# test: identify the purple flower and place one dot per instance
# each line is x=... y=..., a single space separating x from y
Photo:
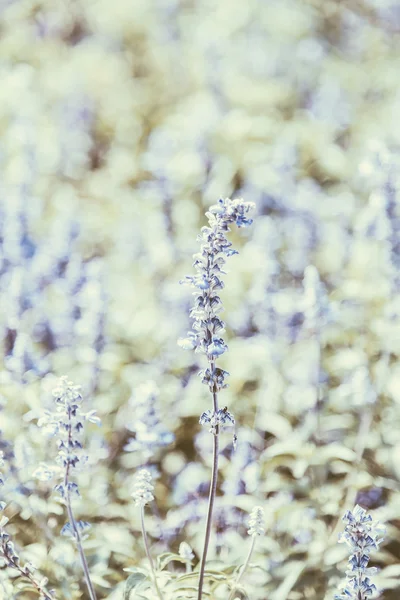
x=362 y=536
x=209 y=263
x=207 y=325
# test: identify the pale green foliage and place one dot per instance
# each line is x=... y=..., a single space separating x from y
x=121 y=122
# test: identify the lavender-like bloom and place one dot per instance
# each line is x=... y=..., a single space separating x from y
x=67 y=424
x=143 y=488
x=256 y=522
x=362 y=536
x=207 y=326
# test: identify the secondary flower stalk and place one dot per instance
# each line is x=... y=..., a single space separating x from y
x=67 y=423
x=142 y=494
x=11 y=556
x=256 y=528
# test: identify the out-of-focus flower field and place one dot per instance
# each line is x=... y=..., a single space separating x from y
x=120 y=124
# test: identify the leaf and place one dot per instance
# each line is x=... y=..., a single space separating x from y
x=100 y=581
x=275 y=423
x=388 y=578
x=287 y=448
x=259 y=567
x=187 y=593
x=217 y=566
x=334 y=451
x=132 y=582
x=229 y=569
x=135 y=570
x=390 y=571
x=212 y=575
x=188 y=577
x=335 y=554
x=164 y=559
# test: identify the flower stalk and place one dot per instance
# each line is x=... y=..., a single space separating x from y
x=147 y=550
x=142 y=494
x=211 y=499
x=72 y=520
x=67 y=423
x=256 y=528
x=247 y=561
x=208 y=327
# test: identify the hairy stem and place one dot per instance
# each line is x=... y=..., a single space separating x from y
x=246 y=563
x=82 y=556
x=147 y=549
x=213 y=489
x=72 y=521
x=44 y=593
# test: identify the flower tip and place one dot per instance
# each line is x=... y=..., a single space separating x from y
x=143 y=488
x=256 y=521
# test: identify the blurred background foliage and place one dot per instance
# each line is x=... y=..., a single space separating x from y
x=120 y=123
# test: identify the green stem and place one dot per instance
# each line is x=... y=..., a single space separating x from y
x=246 y=563
x=72 y=520
x=211 y=498
x=147 y=549
x=82 y=556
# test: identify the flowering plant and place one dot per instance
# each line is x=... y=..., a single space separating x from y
x=362 y=536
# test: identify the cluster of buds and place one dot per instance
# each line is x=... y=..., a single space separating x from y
x=217 y=420
x=185 y=551
x=187 y=555
x=82 y=526
x=215 y=379
x=256 y=522
x=362 y=536
x=143 y=488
